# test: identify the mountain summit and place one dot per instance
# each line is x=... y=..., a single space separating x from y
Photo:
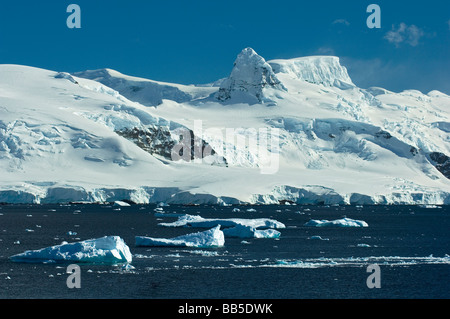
x=250 y=76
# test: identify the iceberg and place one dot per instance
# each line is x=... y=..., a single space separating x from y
x=198 y=221
x=242 y=231
x=213 y=237
x=104 y=250
x=343 y=222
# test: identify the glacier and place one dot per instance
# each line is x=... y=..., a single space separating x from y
x=211 y=238
x=103 y=136
x=104 y=250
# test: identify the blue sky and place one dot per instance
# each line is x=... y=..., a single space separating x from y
x=197 y=41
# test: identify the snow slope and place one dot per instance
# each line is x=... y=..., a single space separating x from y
x=296 y=130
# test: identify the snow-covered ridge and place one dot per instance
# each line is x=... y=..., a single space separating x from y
x=324 y=70
x=144 y=91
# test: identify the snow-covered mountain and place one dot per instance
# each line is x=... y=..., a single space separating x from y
x=296 y=130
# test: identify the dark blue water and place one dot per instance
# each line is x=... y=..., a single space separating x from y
x=410 y=244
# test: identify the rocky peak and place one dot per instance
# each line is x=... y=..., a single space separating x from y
x=251 y=74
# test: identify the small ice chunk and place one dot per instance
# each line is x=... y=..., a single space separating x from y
x=104 y=250
x=213 y=237
x=163 y=204
x=128 y=267
x=343 y=222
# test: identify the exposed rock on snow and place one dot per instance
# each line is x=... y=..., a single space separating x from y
x=105 y=250
x=213 y=237
x=154 y=140
x=442 y=163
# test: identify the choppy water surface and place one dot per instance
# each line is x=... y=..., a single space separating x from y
x=410 y=244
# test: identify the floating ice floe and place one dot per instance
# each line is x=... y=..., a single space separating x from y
x=198 y=221
x=121 y=203
x=242 y=231
x=213 y=237
x=163 y=214
x=318 y=237
x=104 y=250
x=429 y=206
x=343 y=222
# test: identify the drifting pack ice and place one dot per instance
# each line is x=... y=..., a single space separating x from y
x=104 y=250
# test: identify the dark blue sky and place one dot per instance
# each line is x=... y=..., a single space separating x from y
x=197 y=41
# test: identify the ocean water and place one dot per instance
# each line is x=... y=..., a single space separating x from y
x=410 y=244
